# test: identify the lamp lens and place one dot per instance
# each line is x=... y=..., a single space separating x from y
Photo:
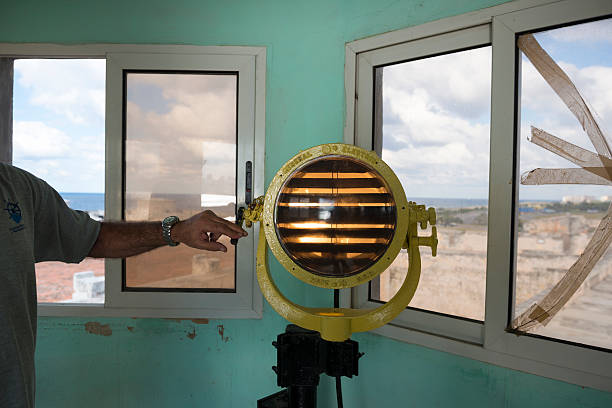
x=335 y=216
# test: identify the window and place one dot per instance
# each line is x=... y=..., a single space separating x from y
x=177 y=166
x=431 y=126
x=436 y=139
x=58 y=135
x=557 y=220
x=182 y=125
x=449 y=106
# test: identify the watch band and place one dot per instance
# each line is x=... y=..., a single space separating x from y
x=167 y=225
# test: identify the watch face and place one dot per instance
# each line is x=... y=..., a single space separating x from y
x=171 y=220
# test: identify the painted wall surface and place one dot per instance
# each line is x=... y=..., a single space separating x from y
x=129 y=362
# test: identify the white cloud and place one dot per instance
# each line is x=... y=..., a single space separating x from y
x=218 y=153
x=452 y=154
x=541 y=107
x=59 y=128
x=42 y=168
x=425 y=122
x=458 y=83
x=593 y=82
x=588 y=32
x=537 y=95
x=195 y=135
x=66 y=163
x=68 y=87
x=195 y=113
x=219 y=168
x=91 y=151
x=544 y=109
x=437 y=132
x=38 y=140
x=175 y=85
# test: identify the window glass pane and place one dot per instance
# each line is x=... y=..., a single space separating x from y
x=180 y=157
x=435 y=136
x=556 y=221
x=58 y=135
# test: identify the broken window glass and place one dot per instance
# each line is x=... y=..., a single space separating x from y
x=563 y=279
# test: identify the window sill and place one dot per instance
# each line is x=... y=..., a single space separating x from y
x=481 y=353
x=91 y=310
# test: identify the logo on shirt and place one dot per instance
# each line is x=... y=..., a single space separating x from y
x=14 y=213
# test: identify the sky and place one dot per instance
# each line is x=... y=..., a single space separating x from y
x=181 y=133
x=58 y=122
x=435 y=121
x=584 y=52
x=436 y=115
x=436 y=124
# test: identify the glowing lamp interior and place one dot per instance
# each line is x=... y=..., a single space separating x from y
x=335 y=216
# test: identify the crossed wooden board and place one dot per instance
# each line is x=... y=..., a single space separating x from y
x=595 y=168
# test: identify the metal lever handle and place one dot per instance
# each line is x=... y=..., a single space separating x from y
x=248 y=196
x=239 y=221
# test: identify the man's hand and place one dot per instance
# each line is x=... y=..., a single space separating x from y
x=123 y=239
x=204 y=229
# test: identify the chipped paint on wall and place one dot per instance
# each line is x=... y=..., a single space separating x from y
x=98 y=329
x=221 y=331
x=192 y=334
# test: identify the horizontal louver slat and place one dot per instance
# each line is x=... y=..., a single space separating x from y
x=334 y=183
x=341 y=215
x=352 y=198
x=335 y=247
x=339 y=233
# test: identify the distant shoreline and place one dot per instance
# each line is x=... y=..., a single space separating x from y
x=94 y=202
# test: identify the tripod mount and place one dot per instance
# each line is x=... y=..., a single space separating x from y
x=302 y=356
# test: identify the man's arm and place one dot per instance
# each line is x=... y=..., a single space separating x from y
x=124 y=239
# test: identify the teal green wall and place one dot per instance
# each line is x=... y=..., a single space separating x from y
x=167 y=363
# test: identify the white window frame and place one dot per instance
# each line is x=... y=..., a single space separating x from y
x=250 y=63
x=464 y=329
x=490 y=341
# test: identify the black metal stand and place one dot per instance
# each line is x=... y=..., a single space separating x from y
x=302 y=356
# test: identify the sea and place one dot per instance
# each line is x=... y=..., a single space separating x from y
x=84 y=201
x=437 y=202
x=94 y=202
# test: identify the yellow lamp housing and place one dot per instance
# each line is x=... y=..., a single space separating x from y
x=336 y=216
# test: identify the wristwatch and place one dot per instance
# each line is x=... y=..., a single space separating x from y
x=167 y=225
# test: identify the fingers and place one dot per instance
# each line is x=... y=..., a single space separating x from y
x=212 y=246
x=203 y=230
x=229 y=224
x=227 y=228
x=234 y=227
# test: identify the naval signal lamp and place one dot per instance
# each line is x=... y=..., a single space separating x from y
x=336 y=216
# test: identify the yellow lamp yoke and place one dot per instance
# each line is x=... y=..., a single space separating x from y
x=337 y=324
